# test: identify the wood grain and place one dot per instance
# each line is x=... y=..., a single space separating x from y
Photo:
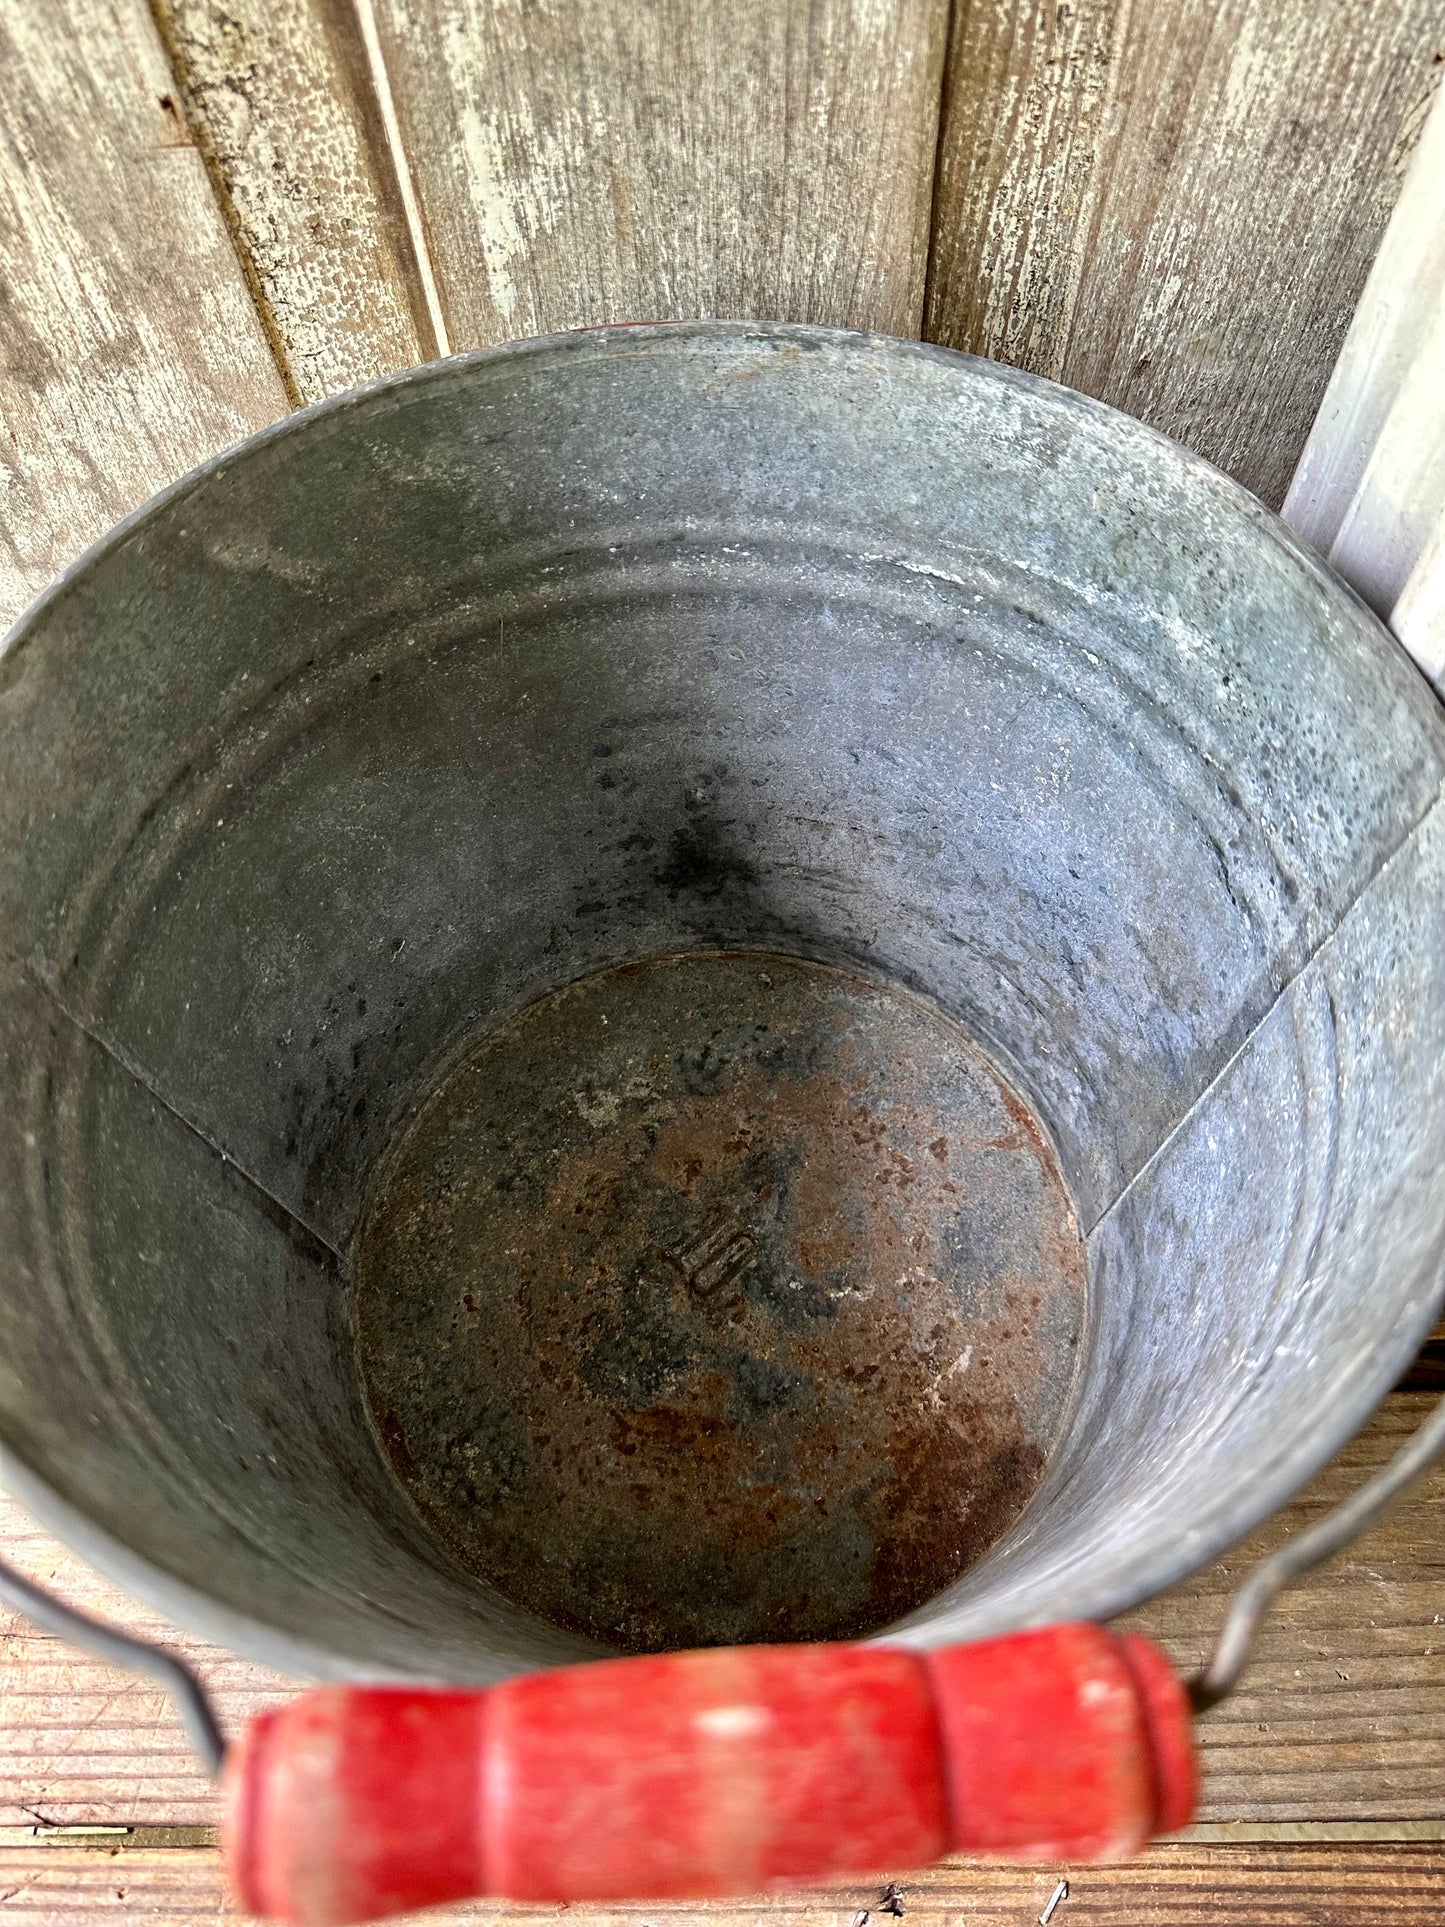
x=1427 y=1371
x=279 y=96
x=1341 y=1716
x=1287 y=1886
x=1400 y=501
x=1341 y=1713
x=1396 y=311
x=129 y=345
x=1418 y=618
x=616 y=162
x=1382 y=421
x=1173 y=207
x=80 y=1741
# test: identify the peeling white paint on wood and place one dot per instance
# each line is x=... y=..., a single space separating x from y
x=578 y=165
x=1400 y=499
x=1418 y=618
x=1401 y=305
x=282 y=98
x=81 y=1742
x=129 y=346
x=1028 y=89
x=1370 y=489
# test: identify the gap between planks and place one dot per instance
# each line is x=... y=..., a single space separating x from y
x=1168 y=1886
x=1213 y=1833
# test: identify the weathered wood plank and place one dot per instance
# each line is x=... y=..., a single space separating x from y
x=279 y=96
x=1396 y=311
x=616 y=162
x=1290 y=1886
x=80 y=1741
x=1341 y=1713
x=1175 y=207
x=1341 y=1716
x=129 y=345
x=1418 y=618
x=1370 y=487
x=1427 y=1371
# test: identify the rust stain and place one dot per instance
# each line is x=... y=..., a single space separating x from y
x=746 y=1313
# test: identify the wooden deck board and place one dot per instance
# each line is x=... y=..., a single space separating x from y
x=1341 y=1716
x=280 y=96
x=617 y=162
x=1399 y=1885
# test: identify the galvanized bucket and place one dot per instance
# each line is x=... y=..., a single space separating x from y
x=704 y=983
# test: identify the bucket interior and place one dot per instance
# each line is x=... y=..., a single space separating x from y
x=704 y=984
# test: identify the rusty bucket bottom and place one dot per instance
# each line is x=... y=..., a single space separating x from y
x=718 y=1298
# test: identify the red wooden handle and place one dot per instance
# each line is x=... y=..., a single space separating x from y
x=707 y=1773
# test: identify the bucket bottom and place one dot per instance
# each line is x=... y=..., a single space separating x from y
x=719 y=1298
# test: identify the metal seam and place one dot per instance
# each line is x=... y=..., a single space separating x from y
x=1436 y=803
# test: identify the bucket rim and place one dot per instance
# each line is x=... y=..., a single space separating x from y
x=1361 y=1386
